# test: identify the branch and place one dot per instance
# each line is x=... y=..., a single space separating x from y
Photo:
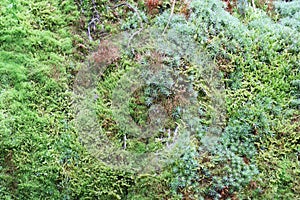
x=96 y=18
x=170 y=17
x=92 y=22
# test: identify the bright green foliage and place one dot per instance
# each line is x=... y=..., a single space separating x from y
x=40 y=157
x=35 y=47
x=254 y=154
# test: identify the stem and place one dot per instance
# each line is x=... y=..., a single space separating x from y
x=170 y=17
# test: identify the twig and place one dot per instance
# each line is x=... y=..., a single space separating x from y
x=92 y=22
x=169 y=136
x=124 y=139
x=175 y=133
x=96 y=18
x=132 y=36
x=253 y=4
x=139 y=16
x=170 y=17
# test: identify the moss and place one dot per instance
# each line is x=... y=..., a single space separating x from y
x=252 y=152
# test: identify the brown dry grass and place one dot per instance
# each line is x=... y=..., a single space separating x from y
x=107 y=53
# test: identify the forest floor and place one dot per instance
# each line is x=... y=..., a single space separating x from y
x=149 y=99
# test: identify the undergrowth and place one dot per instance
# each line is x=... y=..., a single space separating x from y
x=247 y=147
x=41 y=156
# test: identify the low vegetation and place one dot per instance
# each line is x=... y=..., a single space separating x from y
x=149 y=99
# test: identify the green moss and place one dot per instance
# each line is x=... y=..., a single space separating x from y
x=256 y=155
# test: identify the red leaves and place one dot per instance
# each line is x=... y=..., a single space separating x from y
x=152 y=4
x=229 y=5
